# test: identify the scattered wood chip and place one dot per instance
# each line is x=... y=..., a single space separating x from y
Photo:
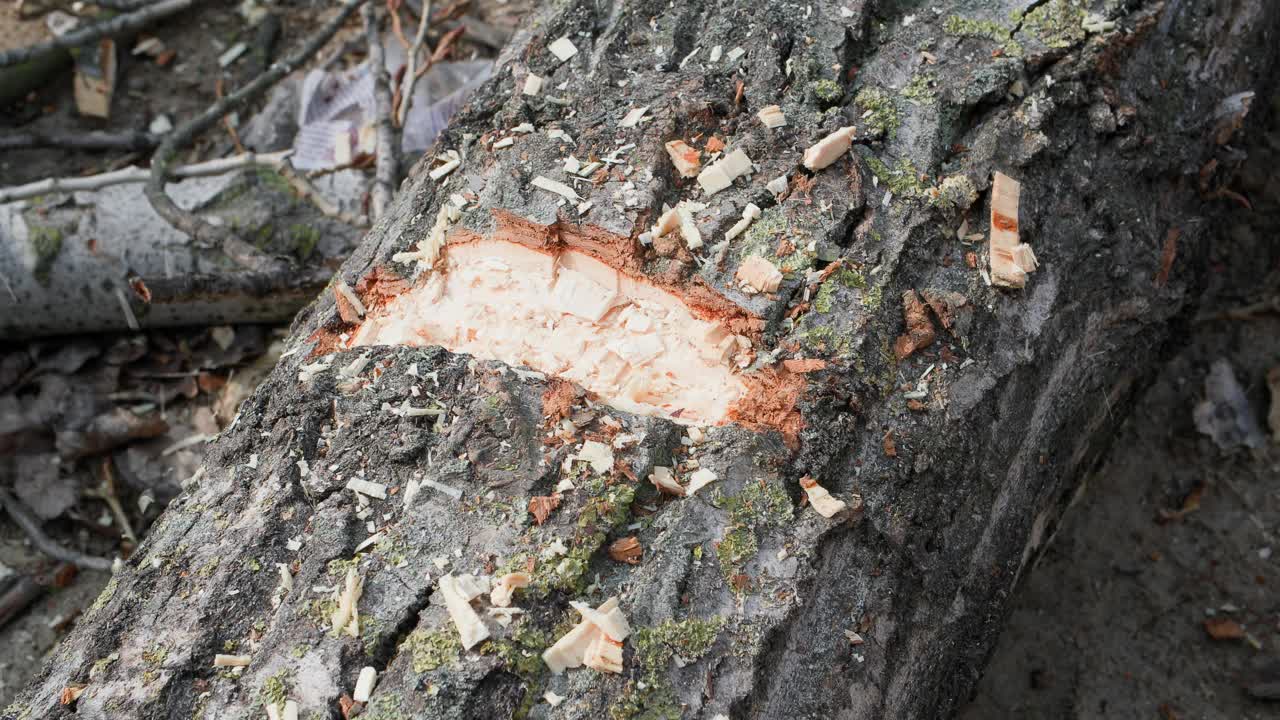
x=221 y=660
x=505 y=142
x=368 y=487
x=829 y=149
x=552 y=699
x=720 y=174
x=1222 y=628
x=1011 y=259
x=663 y=479
x=350 y=309
x=572 y=650
x=685 y=158
x=920 y=332
x=532 y=85
x=563 y=48
x=699 y=479
x=749 y=214
x=364 y=684
x=716 y=52
x=735 y=53
x=778 y=185
x=759 y=274
x=506 y=586
x=822 y=501
x=626 y=550
x=604 y=655
x=540 y=506
x=70 y=694
x=451 y=162
x=633 y=117
x=772 y=117
x=471 y=629
x=558 y=188
x=346 y=616
x=596 y=454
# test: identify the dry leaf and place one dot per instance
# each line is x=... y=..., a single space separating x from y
x=920 y=333
x=542 y=505
x=890 y=447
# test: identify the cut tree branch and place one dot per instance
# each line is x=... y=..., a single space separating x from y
x=24 y=519
x=385 y=169
x=125 y=176
x=185 y=133
x=118 y=25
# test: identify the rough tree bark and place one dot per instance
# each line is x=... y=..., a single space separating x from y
x=743 y=595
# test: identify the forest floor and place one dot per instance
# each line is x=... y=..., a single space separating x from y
x=1111 y=622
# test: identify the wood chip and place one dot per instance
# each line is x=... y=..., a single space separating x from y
x=772 y=117
x=532 y=85
x=829 y=149
x=685 y=159
x=231 y=660
x=1222 y=628
x=749 y=214
x=364 y=684
x=633 y=117
x=759 y=274
x=1011 y=259
x=558 y=188
x=626 y=550
x=720 y=174
x=663 y=479
x=699 y=479
x=471 y=629
x=563 y=48
x=822 y=501
x=506 y=586
x=367 y=487
x=920 y=333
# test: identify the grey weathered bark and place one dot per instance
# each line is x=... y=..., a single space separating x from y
x=743 y=596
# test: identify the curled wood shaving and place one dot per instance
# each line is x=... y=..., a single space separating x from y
x=829 y=149
x=506 y=586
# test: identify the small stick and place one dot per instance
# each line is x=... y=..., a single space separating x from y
x=119 y=25
x=164 y=155
x=308 y=192
x=226 y=119
x=95 y=140
x=385 y=168
x=141 y=175
x=442 y=47
x=410 y=73
x=25 y=520
x=122 y=5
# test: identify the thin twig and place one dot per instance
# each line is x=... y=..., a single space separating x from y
x=119 y=25
x=31 y=526
x=141 y=175
x=226 y=119
x=410 y=73
x=95 y=140
x=164 y=155
x=386 y=167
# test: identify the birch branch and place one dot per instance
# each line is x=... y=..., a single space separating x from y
x=384 y=176
x=135 y=174
x=410 y=73
x=118 y=25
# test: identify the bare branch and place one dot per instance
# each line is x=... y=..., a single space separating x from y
x=164 y=155
x=129 y=175
x=31 y=526
x=118 y=25
x=387 y=163
x=410 y=73
x=95 y=140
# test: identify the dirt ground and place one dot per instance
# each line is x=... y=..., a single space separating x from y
x=1111 y=623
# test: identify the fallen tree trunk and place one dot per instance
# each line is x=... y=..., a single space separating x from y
x=954 y=445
